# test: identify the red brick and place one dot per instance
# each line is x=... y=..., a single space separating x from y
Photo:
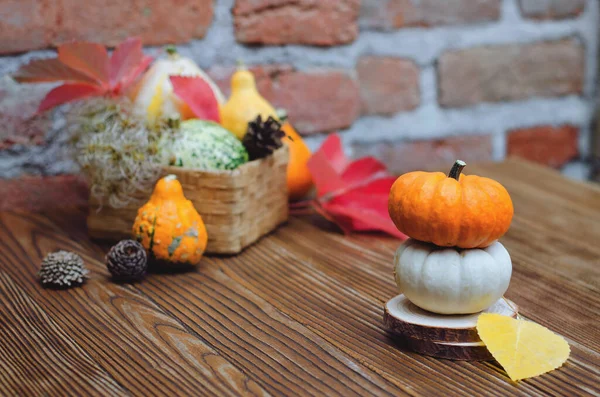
x=388 y=85
x=156 y=21
x=510 y=72
x=26 y=24
x=439 y=154
x=548 y=145
x=322 y=22
x=393 y=14
x=316 y=101
x=40 y=193
x=18 y=104
x=35 y=24
x=552 y=9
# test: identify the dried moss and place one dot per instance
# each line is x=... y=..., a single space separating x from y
x=120 y=154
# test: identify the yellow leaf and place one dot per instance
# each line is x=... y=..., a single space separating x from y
x=523 y=348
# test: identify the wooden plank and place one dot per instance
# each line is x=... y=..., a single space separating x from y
x=347 y=314
x=253 y=334
x=38 y=356
x=200 y=305
x=259 y=340
x=301 y=312
x=145 y=349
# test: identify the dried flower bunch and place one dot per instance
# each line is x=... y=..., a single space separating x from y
x=62 y=269
x=119 y=152
x=127 y=260
x=263 y=138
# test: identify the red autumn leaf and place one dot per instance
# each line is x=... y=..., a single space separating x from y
x=370 y=202
x=90 y=59
x=124 y=58
x=329 y=163
x=67 y=93
x=86 y=70
x=363 y=170
x=333 y=153
x=49 y=70
x=132 y=75
x=198 y=95
x=353 y=194
x=127 y=62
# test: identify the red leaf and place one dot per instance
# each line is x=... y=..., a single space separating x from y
x=379 y=186
x=326 y=166
x=373 y=196
x=198 y=95
x=134 y=74
x=125 y=59
x=87 y=71
x=90 y=59
x=352 y=194
x=333 y=151
x=364 y=219
x=363 y=170
x=49 y=70
x=67 y=93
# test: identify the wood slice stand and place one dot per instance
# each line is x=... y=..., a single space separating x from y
x=445 y=336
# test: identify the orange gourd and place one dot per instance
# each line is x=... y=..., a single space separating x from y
x=169 y=227
x=454 y=210
x=299 y=178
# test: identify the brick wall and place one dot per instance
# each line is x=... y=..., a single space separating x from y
x=411 y=82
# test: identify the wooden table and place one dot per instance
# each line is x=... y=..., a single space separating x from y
x=299 y=313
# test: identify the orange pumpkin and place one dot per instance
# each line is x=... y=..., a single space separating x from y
x=169 y=226
x=299 y=178
x=464 y=211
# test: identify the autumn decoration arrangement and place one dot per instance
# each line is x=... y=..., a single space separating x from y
x=452 y=274
x=177 y=170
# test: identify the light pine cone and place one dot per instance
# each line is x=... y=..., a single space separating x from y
x=62 y=269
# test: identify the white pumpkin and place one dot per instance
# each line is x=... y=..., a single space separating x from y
x=154 y=95
x=452 y=280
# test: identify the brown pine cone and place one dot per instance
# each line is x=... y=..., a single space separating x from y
x=127 y=260
x=263 y=138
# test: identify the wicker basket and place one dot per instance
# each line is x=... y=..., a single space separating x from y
x=238 y=207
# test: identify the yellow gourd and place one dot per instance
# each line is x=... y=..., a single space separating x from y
x=169 y=227
x=244 y=104
x=154 y=97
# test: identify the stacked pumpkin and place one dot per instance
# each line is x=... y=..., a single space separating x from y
x=452 y=263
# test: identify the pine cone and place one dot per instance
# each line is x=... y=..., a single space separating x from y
x=127 y=260
x=262 y=139
x=62 y=269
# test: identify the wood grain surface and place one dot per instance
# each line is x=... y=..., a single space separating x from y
x=299 y=313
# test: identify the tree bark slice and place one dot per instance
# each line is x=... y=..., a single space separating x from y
x=405 y=319
x=476 y=351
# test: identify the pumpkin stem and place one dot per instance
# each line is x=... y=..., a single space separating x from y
x=457 y=169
